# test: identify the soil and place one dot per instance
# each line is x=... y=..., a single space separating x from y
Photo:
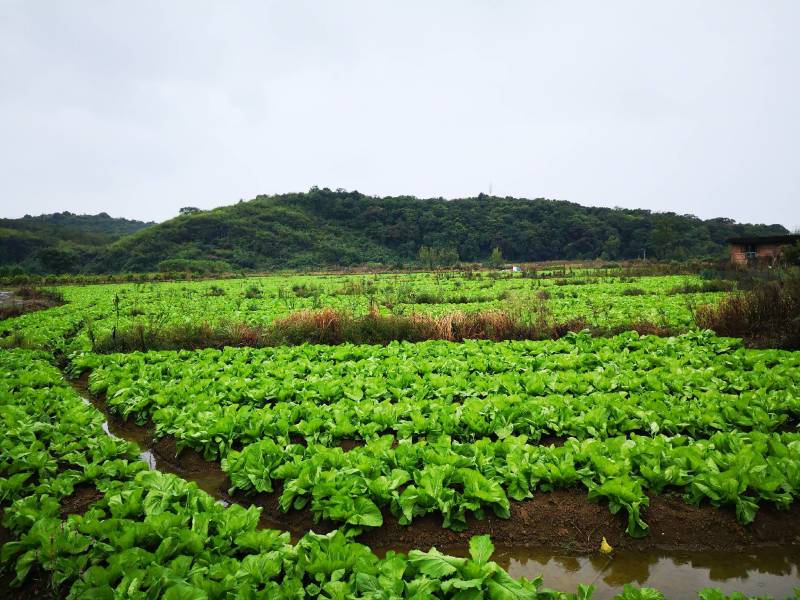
x=84 y=495
x=348 y=444
x=37 y=585
x=566 y=520
x=187 y=460
x=551 y=440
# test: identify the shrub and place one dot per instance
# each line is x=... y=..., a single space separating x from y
x=767 y=315
x=253 y=291
x=306 y=291
x=715 y=285
x=633 y=291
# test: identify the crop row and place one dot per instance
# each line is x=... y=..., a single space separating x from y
x=451 y=428
x=579 y=386
x=439 y=476
x=152 y=535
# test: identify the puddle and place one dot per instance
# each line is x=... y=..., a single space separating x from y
x=768 y=572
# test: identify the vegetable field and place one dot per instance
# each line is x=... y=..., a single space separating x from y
x=368 y=456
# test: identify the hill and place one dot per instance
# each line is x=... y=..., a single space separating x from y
x=59 y=242
x=338 y=228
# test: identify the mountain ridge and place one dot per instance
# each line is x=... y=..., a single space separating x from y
x=59 y=242
x=325 y=228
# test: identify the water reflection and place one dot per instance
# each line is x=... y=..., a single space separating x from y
x=772 y=572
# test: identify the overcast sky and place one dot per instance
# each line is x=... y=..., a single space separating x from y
x=139 y=108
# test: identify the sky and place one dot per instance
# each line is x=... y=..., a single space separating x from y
x=139 y=108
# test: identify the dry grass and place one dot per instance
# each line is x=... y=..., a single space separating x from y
x=328 y=326
x=767 y=315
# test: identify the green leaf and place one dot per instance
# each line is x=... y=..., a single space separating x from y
x=184 y=591
x=481 y=548
x=504 y=587
x=434 y=563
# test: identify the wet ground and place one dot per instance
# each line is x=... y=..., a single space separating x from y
x=678 y=575
x=557 y=534
x=14 y=303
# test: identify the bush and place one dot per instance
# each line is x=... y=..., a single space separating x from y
x=715 y=285
x=766 y=315
x=253 y=291
x=633 y=291
x=306 y=291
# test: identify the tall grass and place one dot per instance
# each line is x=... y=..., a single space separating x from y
x=766 y=315
x=329 y=326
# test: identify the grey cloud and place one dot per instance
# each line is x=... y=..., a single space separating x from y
x=138 y=109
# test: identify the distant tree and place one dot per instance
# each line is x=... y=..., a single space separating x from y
x=326 y=228
x=611 y=247
x=57 y=260
x=437 y=257
x=447 y=257
x=496 y=259
x=791 y=254
x=425 y=256
x=188 y=210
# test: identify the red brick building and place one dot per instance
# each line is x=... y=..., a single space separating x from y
x=763 y=249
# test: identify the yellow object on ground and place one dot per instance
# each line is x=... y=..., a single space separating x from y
x=605 y=547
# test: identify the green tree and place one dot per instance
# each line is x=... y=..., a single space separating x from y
x=496 y=259
x=611 y=247
x=426 y=256
x=447 y=257
x=791 y=254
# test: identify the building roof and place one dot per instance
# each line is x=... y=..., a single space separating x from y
x=765 y=239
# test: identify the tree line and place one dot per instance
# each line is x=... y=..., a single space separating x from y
x=324 y=227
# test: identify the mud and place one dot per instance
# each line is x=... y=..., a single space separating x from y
x=565 y=521
x=84 y=495
x=349 y=444
x=551 y=440
x=562 y=520
x=13 y=304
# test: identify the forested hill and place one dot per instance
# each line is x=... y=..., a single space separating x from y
x=59 y=242
x=326 y=228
